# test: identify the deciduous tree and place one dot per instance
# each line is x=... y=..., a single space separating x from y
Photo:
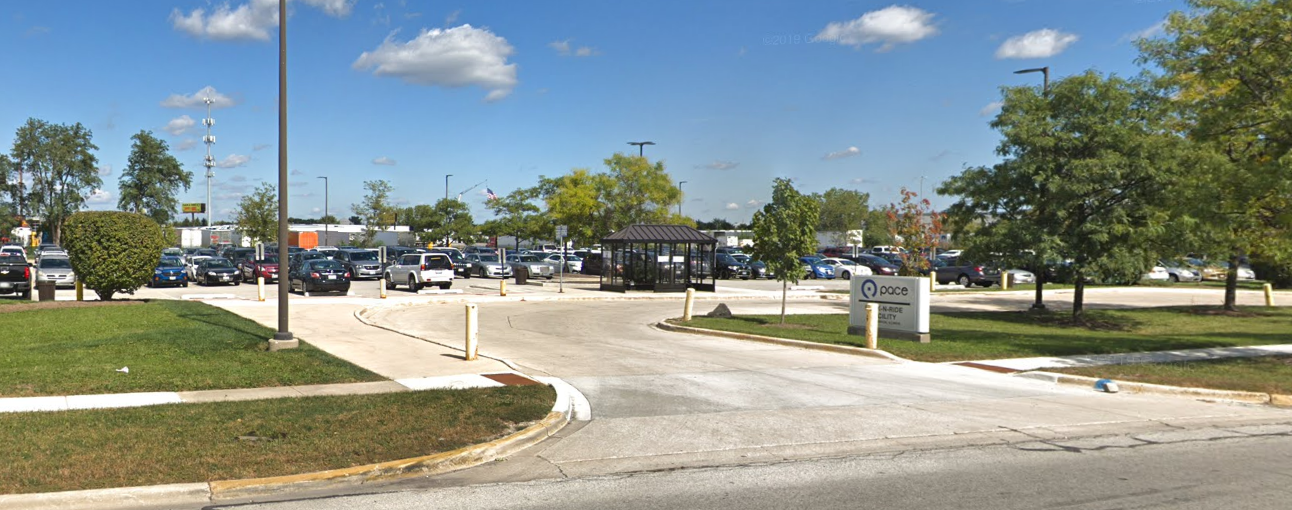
x=257 y=214
x=151 y=179
x=842 y=210
x=375 y=209
x=785 y=229
x=59 y=170
x=918 y=226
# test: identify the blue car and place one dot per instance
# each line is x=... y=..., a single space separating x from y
x=169 y=272
x=817 y=269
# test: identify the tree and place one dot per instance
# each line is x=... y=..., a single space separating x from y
x=842 y=210
x=785 y=229
x=918 y=235
x=151 y=179
x=112 y=251
x=637 y=192
x=1225 y=66
x=715 y=224
x=375 y=209
x=57 y=161
x=257 y=214
x=448 y=220
x=575 y=200
x=517 y=215
x=1086 y=172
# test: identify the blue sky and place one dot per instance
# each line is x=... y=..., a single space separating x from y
x=851 y=94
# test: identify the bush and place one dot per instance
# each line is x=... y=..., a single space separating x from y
x=113 y=252
x=1278 y=274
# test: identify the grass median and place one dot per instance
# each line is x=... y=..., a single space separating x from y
x=78 y=348
x=1267 y=374
x=74 y=450
x=992 y=335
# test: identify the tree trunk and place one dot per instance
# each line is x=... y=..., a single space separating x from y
x=1040 y=286
x=785 y=285
x=1231 y=285
x=1078 y=297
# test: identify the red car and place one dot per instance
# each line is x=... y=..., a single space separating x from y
x=266 y=267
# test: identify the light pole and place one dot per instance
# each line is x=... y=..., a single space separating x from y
x=679 y=198
x=325 y=213
x=1045 y=71
x=641 y=147
x=283 y=337
x=446 y=185
x=1038 y=304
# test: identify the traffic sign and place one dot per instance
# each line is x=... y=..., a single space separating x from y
x=562 y=231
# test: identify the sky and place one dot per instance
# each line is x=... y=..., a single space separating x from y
x=866 y=95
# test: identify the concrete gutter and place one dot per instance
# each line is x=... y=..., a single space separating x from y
x=198 y=494
x=841 y=349
x=1249 y=397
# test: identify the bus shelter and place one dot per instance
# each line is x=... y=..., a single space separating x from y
x=662 y=258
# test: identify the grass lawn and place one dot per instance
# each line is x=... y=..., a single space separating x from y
x=168 y=346
x=1269 y=374
x=990 y=335
x=91 y=449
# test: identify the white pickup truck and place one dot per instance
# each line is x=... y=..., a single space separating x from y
x=418 y=270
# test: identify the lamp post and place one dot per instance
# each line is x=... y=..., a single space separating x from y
x=641 y=147
x=325 y=213
x=1038 y=304
x=446 y=185
x=679 y=198
x=283 y=337
x=1045 y=71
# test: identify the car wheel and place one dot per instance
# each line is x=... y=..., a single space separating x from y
x=964 y=281
x=185 y=285
x=1175 y=279
x=390 y=281
x=305 y=287
x=412 y=283
x=847 y=275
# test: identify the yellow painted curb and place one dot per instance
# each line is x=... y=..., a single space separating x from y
x=417 y=466
x=841 y=349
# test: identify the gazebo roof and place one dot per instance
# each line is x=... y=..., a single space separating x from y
x=660 y=234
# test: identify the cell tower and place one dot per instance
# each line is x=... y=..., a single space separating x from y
x=209 y=162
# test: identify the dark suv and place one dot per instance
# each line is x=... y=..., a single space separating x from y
x=728 y=267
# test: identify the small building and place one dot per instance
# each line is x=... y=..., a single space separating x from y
x=662 y=258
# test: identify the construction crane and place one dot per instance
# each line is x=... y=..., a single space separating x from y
x=477 y=185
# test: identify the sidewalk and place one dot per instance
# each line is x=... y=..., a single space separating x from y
x=1091 y=360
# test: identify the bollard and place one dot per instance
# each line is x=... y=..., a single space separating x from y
x=1004 y=280
x=473 y=330
x=872 y=326
x=933 y=280
x=31 y=287
x=690 y=303
x=1269 y=295
x=382 y=285
x=502 y=288
x=80 y=291
x=260 y=287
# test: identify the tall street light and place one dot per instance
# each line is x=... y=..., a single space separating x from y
x=641 y=147
x=446 y=185
x=679 y=198
x=283 y=337
x=1038 y=304
x=1045 y=71
x=325 y=213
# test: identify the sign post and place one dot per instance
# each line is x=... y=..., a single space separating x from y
x=903 y=306
x=561 y=232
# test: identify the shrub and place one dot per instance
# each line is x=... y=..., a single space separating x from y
x=113 y=252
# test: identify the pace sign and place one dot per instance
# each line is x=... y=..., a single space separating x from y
x=903 y=305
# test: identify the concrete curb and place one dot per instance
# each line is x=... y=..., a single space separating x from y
x=186 y=494
x=1249 y=397
x=841 y=349
x=362 y=316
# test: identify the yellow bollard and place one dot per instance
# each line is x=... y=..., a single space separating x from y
x=1004 y=280
x=473 y=331
x=872 y=326
x=260 y=287
x=381 y=284
x=502 y=288
x=80 y=291
x=690 y=303
x=1269 y=295
x=933 y=280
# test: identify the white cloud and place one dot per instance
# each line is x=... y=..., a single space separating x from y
x=456 y=57
x=585 y=51
x=250 y=21
x=862 y=180
x=105 y=170
x=187 y=144
x=99 y=196
x=297 y=172
x=384 y=161
x=720 y=165
x=888 y=27
x=260 y=146
x=316 y=210
x=753 y=204
x=1147 y=33
x=234 y=161
x=846 y=153
x=180 y=125
x=197 y=99
x=1037 y=44
x=562 y=47
x=733 y=206
x=238 y=178
x=452 y=17
x=990 y=109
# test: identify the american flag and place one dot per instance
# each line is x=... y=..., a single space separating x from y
x=489 y=193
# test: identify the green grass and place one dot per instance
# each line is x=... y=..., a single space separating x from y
x=990 y=335
x=1270 y=374
x=168 y=346
x=73 y=450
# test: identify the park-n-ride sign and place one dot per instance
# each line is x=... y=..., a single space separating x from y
x=903 y=304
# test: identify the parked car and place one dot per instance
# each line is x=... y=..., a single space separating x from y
x=537 y=268
x=266 y=268
x=190 y=269
x=1178 y=271
x=217 y=270
x=1244 y=271
x=327 y=251
x=14 y=249
x=968 y=274
x=199 y=252
x=462 y=268
x=757 y=269
x=950 y=254
x=418 y=270
x=51 y=268
x=359 y=263
x=395 y=253
x=1157 y=274
x=593 y=263
x=319 y=275
x=15 y=274
x=727 y=267
x=878 y=266
x=1208 y=270
x=573 y=264
x=1020 y=276
x=880 y=250
x=487 y=266
x=169 y=272
x=235 y=254
x=298 y=258
x=817 y=269
x=846 y=269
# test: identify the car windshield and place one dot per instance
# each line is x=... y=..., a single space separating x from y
x=573 y=258
x=324 y=264
x=218 y=263
x=55 y=263
x=171 y=262
x=488 y=258
x=270 y=260
x=363 y=256
x=527 y=258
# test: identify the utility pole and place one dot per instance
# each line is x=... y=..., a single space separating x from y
x=209 y=162
x=446 y=185
x=1037 y=303
x=283 y=337
x=325 y=213
x=679 y=198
